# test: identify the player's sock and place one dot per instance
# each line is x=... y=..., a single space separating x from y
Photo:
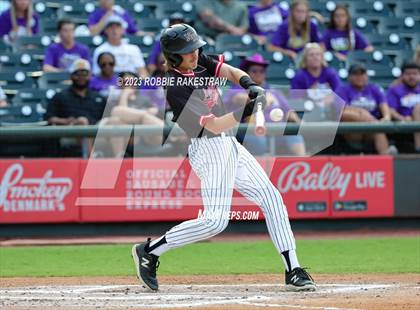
x=290 y=260
x=157 y=247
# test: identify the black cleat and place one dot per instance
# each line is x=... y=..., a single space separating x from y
x=299 y=280
x=146 y=265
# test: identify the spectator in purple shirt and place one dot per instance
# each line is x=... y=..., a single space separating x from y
x=104 y=82
x=60 y=56
x=294 y=33
x=340 y=37
x=365 y=102
x=256 y=67
x=18 y=20
x=97 y=19
x=314 y=72
x=265 y=18
x=404 y=98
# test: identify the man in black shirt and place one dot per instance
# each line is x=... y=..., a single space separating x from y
x=217 y=158
x=77 y=105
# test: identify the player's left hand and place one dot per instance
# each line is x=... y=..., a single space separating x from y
x=257 y=94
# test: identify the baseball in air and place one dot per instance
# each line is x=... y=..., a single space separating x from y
x=276 y=115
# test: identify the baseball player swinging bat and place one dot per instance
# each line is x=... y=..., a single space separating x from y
x=217 y=158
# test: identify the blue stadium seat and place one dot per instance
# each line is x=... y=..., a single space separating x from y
x=54 y=80
x=44 y=11
x=150 y=24
x=382 y=75
x=35 y=45
x=372 y=10
x=369 y=59
x=77 y=12
x=276 y=58
x=164 y=9
x=279 y=74
x=48 y=26
x=19 y=61
x=30 y=95
x=364 y=25
x=322 y=8
x=400 y=25
x=407 y=8
x=388 y=43
x=22 y=114
x=145 y=43
x=229 y=42
x=333 y=61
x=11 y=80
x=91 y=41
x=138 y=9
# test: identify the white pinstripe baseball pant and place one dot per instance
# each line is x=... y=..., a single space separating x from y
x=222 y=164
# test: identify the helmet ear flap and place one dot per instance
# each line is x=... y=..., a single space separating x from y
x=174 y=59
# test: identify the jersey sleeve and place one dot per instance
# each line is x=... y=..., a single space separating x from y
x=190 y=112
x=378 y=94
x=211 y=63
x=361 y=42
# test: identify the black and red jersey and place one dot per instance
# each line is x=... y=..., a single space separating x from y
x=194 y=105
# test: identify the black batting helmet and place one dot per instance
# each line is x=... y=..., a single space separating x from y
x=179 y=39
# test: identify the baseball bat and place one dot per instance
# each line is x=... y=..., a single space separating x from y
x=259 y=120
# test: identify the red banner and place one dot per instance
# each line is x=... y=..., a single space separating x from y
x=165 y=189
x=39 y=191
x=322 y=187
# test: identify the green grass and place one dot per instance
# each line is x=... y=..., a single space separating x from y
x=370 y=255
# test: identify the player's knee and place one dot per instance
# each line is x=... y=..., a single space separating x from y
x=215 y=226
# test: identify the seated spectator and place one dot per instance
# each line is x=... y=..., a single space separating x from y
x=97 y=19
x=256 y=67
x=107 y=79
x=156 y=52
x=76 y=105
x=131 y=108
x=221 y=16
x=365 y=102
x=340 y=37
x=296 y=31
x=314 y=72
x=128 y=57
x=265 y=18
x=60 y=56
x=404 y=98
x=3 y=98
x=19 y=20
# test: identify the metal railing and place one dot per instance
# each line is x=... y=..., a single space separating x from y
x=45 y=132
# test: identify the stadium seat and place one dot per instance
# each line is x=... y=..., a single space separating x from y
x=279 y=74
x=22 y=114
x=368 y=9
x=375 y=58
x=30 y=95
x=364 y=25
x=90 y=41
x=390 y=42
x=35 y=45
x=164 y=9
x=44 y=11
x=407 y=8
x=54 y=80
x=138 y=9
x=275 y=57
x=4 y=47
x=382 y=75
x=77 y=12
x=333 y=61
x=235 y=43
x=11 y=80
x=400 y=25
x=145 y=43
x=48 y=26
x=323 y=8
x=19 y=61
x=150 y=24
x=402 y=56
